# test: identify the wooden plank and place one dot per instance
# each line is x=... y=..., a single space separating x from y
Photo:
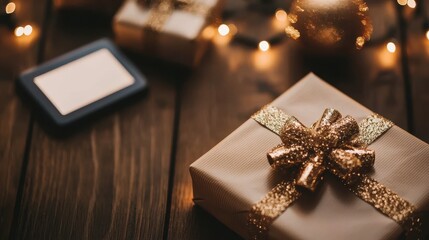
x=220 y=95
x=109 y=179
x=235 y=81
x=418 y=60
x=16 y=55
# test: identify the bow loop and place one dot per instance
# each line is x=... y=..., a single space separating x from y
x=311 y=172
x=342 y=131
x=295 y=133
x=286 y=157
x=329 y=116
x=349 y=164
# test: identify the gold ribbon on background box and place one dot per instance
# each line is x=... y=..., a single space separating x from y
x=161 y=10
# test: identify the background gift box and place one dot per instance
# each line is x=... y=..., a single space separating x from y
x=174 y=31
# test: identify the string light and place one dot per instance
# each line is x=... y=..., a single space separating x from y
x=411 y=3
x=19 y=31
x=402 y=2
x=281 y=15
x=230 y=29
x=223 y=30
x=10 y=8
x=28 y=29
x=264 y=46
x=391 y=47
x=427 y=34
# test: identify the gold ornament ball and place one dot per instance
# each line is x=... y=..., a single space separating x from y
x=330 y=26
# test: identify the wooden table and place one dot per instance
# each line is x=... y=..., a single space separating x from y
x=126 y=175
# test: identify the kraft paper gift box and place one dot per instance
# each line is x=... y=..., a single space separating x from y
x=234 y=175
x=182 y=35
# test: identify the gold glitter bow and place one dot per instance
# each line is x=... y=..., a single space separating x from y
x=327 y=145
x=161 y=11
x=334 y=144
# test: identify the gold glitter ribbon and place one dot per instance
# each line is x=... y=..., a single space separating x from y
x=333 y=144
x=161 y=11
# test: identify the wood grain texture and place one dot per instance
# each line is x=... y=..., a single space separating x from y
x=234 y=81
x=16 y=54
x=109 y=180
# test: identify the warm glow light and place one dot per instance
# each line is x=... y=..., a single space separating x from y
x=264 y=46
x=208 y=32
x=427 y=34
x=411 y=3
x=402 y=2
x=28 y=30
x=391 y=47
x=281 y=15
x=223 y=29
x=264 y=61
x=232 y=29
x=386 y=59
x=10 y=8
x=19 y=31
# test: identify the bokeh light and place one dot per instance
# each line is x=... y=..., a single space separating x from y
x=19 y=31
x=264 y=46
x=223 y=30
x=391 y=47
x=281 y=15
x=28 y=29
x=10 y=8
x=402 y=2
x=411 y=3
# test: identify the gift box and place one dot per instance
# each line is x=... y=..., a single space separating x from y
x=175 y=31
x=234 y=178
